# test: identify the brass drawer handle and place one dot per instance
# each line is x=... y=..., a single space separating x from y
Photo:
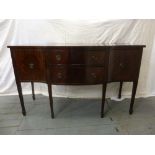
x=122 y=66
x=58 y=57
x=93 y=75
x=59 y=75
x=94 y=57
x=59 y=50
x=31 y=66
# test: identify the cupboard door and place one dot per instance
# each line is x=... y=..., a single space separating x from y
x=124 y=64
x=29 y=64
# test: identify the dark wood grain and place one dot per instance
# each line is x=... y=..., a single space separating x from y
x=134 y=88
x=30 y=64
x=76 y=75
x=104 y=87
x=77 y=65
x=33 y=94
x=58 y=55
x=50 y=99
x=120 y=90
x=89 y=56
x=124 y=64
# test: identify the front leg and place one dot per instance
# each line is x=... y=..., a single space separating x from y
x=120 y=90
x=19 y=88
x=134 y=88
x=104 y=86
x=51 y=99
x=33 y=94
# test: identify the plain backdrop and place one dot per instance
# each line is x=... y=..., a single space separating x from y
x=50 y=32
x=78 y=9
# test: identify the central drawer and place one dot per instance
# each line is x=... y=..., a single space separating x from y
x=77 y=55
x=76 y=75
x=88 y=56
x=58 y=56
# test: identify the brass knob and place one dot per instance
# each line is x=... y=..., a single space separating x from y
x=58 y=57
x=31 y=66
x=93 y=57
x=93 y=75
x=122 y=65
x=59 y=75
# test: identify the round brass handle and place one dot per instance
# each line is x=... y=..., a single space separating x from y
x=93 y=57
x=58 y=57
x=59 y=75
x=122 y=65
x=31 y=66
x=93 y=75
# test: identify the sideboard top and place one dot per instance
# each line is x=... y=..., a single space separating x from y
x=76 y=45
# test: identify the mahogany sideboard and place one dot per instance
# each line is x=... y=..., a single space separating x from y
x=77 y=65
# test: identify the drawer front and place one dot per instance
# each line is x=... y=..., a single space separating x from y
x=88 y=56
x=77 y=55
x=76 y=75
x=57 y=56
x=124 y=65
x=29 y=64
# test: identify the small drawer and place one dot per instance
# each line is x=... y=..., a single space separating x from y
x=58 y=75
x=58 y=56
x=95 y=75
x=95 y=57
x=77 y=75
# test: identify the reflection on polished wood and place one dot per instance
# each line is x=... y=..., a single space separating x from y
x=77 y=65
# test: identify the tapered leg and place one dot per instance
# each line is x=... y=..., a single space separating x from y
x=120 y=90
x=19 y=88
x=51 y=99
x=33 y=94
x=104 y=86
x=134 y=88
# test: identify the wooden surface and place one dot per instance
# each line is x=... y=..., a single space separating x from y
x=77 y=65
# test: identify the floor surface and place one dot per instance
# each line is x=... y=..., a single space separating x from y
x=76 y=117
